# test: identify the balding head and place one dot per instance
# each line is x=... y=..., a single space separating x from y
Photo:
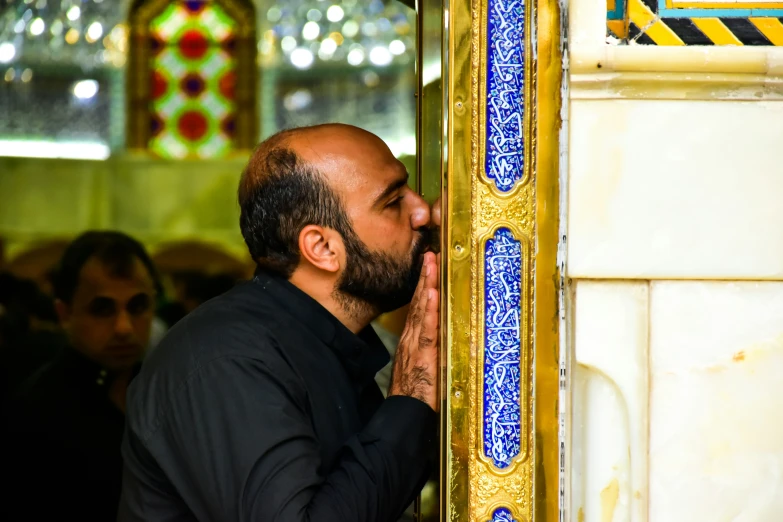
x=329 y=149
x=281 y=192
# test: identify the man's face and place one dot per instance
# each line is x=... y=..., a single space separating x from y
x=384 y=248
x=109 y=318
x=384 y=251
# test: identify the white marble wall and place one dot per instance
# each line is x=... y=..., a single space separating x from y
x=610 y=391
x=674 y=329
x=716 y=403
x=662 y=189
x=676 y=402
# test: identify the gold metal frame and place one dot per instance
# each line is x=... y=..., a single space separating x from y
x=142 y=12
x=548 y=279
x=471 y=487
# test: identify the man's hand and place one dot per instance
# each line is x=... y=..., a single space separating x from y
x=415 y=371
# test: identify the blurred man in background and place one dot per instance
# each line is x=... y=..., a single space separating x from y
x=66 y=422
x=29 y=334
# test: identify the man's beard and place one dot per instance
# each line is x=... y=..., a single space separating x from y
x=378 y=282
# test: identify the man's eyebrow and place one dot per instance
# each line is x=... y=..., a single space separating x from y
x=396 y=185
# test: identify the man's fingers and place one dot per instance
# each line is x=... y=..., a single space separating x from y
x=420 y=296
x=421 y=284
x=432 y=275
x=427 y=278
x=436 y=269
x=428 y=337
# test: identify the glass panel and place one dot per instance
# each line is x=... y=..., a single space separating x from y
x=431 y=100
x=44 y=105
x=192 y=83
x=431 y=126
x=319 y=61
x=60 y=77
x=349 y=62
x=193 y=22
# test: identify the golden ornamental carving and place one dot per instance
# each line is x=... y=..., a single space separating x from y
x=518 y=210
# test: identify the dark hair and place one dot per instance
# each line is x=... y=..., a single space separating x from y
x=209 y=286
x=201 y=287
x=279 y=195
x=114 y=249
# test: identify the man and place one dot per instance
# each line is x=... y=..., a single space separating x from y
x=66 y=424
x=29 y=334
x=261 y=404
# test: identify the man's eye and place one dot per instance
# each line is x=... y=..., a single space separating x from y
x=394 y=203
x=139 y=304
x=102 y=307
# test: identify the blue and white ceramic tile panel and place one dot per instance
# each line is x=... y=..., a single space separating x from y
x=505 y=147
x=502 y=347
x=502 y=515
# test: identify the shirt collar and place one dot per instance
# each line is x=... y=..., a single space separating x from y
x=362 y=355
x=88 y=373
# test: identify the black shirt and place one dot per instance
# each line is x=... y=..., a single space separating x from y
x=21 y=356
x=62 y=450
x=261 y=406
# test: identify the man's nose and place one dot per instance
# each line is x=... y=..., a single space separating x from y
x=420 y=215
x=124 y=324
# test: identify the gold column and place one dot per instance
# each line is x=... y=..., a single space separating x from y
x=501 y=282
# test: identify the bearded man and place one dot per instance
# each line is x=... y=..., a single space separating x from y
x=261 y=405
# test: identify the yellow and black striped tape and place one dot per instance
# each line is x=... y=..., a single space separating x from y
x=644 y=26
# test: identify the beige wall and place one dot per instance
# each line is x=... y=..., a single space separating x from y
x=156 y=201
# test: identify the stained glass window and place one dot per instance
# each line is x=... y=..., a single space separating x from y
x=193 y=78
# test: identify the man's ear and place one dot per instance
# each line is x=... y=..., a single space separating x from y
x=321 y=247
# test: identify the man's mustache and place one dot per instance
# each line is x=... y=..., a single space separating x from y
x=430 y=237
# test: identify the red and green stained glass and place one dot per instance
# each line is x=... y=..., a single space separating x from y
x=193 y=66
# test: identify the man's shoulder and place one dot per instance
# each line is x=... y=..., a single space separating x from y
x=235 y=323
x=241 y=323
x=240 y=327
